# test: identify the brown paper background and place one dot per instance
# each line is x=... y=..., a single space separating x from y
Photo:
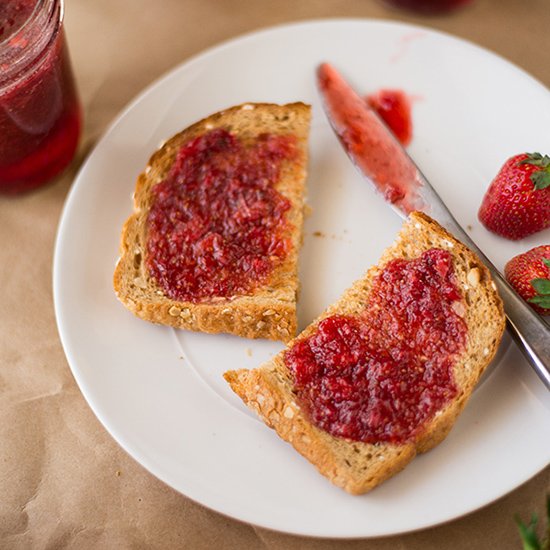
x=64 y=483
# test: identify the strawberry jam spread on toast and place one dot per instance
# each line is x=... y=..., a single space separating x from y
x=217 y=225
x=380 y=375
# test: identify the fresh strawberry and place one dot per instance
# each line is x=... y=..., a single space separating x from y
x=517 y=202
x=529 y=274
x=394 y=107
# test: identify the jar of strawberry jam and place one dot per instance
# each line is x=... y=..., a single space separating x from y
x=428 y=6
x=40 y=117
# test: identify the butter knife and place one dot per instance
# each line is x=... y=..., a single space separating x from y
x=387 y=166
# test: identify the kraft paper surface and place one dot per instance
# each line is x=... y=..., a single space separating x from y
x=64 y=482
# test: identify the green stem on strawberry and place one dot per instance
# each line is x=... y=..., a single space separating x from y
x=541 y=178
x=542 y=288
x=528 y=533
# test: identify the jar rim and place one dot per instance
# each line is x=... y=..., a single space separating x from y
x=20 y=49
x=39 y=5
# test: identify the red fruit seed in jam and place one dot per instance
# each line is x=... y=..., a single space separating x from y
x=380 y=375
x=217 y=226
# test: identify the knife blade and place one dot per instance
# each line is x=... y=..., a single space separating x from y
x=382 y=160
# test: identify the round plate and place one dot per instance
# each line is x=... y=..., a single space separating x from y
x=161 y=394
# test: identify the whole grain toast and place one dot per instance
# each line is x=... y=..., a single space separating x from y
x=355 y=466
x=268 y=310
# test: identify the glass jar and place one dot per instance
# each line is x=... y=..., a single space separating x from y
x=40 y=116
x=428 y=6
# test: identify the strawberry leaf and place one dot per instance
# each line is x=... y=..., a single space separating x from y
x=546 y=262
x=541 y=301
x=536 y=159
x=542 y=286
x=542 y=298
x=541 y=179
x=529 y=534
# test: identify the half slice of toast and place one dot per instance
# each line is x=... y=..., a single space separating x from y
x=352 y=464
x=268 y=308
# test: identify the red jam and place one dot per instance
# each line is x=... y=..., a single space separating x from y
x=217 y=226
x=380 y=375
x=428 y=6
x=394 y=107
x=366 y=140
x=13 y=14
x=39 y=111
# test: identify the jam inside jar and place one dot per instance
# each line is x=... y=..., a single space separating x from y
x=40 y=115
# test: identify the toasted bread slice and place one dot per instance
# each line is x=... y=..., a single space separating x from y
x=356 y=466
x=268 y=310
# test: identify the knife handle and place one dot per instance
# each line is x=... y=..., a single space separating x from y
x=527 y=328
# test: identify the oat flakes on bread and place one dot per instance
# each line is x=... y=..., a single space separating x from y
x=267 y=311
x=353 y=465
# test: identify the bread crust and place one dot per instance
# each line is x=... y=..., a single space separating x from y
x=355 y=466
x=269 y=311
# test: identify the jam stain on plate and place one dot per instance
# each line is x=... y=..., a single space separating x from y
x=217 y=226
x=394 y=108
x=379 y=376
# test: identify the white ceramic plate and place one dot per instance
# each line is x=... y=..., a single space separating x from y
x=160 y=393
